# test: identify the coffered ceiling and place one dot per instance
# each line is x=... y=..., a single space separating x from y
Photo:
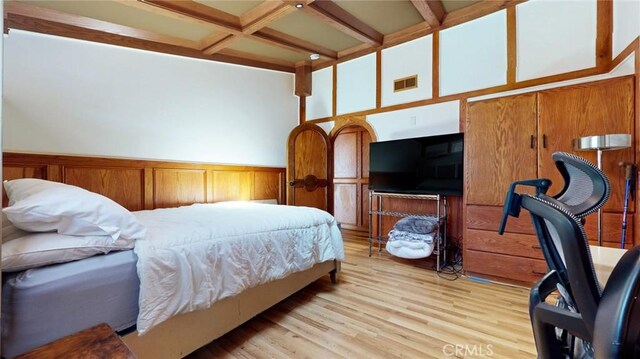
x=274 y=34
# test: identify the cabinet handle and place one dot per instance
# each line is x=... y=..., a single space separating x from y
x=532 y=141
x=535 y=247
x=538 y=273
x=544 y=141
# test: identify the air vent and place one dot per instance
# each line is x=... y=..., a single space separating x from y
x=406 y=83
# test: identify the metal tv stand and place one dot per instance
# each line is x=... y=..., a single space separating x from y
x=441 y=215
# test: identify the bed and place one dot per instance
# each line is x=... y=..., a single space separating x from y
x=129 y=289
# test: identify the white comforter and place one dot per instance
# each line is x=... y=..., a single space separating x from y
x=193 y=256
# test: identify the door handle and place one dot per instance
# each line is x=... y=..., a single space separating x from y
x=544 y=141
x=309 y=183
x=532 y=141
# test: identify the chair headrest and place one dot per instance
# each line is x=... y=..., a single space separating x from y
x=586 y=188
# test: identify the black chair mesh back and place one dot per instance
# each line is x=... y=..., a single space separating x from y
x=563 y=233
x=586 y=188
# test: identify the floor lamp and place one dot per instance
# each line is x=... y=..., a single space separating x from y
x=602 y=143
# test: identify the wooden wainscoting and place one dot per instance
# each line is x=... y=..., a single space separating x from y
x=140 y=184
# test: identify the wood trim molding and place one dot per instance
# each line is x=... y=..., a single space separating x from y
x=462 y=126
x=477 y=10
x=512 y=49
x=32 y=159
x=160 y=11
x=435 y=66
x=37 y=19
x=303 y=79
x=252 y=24
x=347 y=121
x=378 y=79
x=253 y=57
x=145 y=184
x=464 y=95
x=264 y=14
x=334 y=99
x=302 y=108
x=225 y=41
x=431 y=11
x=625 y=53
x=15 y=10
x=68 y=26
x=604 y=43
x=288 y=42
x=352 y=50
x=190 y=8
x=408 y=34
x=453 y=18
x=332 y=14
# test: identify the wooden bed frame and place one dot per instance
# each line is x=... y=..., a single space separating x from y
x=185 y=333
x=141 y=184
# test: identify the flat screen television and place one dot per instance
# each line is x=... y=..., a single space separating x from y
x=424 y=165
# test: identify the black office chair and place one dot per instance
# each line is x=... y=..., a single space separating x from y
x=584 y=311
x=586 y=189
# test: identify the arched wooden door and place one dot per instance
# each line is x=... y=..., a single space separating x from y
x=350 y=142
x=308 y=167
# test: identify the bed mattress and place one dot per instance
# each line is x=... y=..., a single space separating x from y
x=36 y=302
x=193 y=256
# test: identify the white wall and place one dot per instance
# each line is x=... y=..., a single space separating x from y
x=320 y=103
x=626 y=23
x=404 y=60
x=356 y=85
x=473 y=55
x=625 y=68
x=72 y=97
x=555 y=37
x=437 y=119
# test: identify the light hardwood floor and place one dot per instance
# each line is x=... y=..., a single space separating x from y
x=386 y=308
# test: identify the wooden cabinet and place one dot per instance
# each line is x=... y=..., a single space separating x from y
x=512 y=138
x=499 y=147
x=585 y=110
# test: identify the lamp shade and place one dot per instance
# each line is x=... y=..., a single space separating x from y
x=602 y=142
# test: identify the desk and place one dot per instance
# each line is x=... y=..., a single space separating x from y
x=604 y=259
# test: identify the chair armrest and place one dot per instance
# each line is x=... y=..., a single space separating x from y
x=541 y=290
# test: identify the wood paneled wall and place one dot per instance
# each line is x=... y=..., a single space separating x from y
x=139 y=184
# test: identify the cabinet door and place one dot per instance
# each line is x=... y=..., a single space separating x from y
x=499 y=147
x=604 y=107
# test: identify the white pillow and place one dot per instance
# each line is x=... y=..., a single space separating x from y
x=43 y=206
x=40 y=249
x=9 y=231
